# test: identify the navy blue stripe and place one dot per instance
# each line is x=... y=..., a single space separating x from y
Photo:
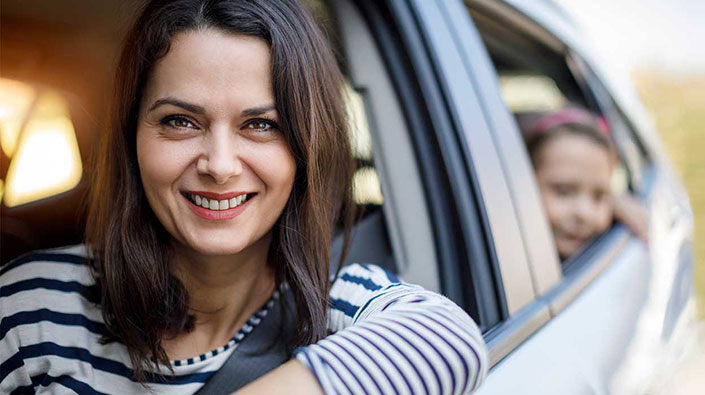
x=12 y=363
x=391 y=276
x=428 y=363
x=401 y=374
x=466 y=369
x=324 y=362
x=472 y=349
x=440 y=354
x=88 y=292
x=32 y=317
x=29 y=389
x=381 y=369
x=379 y=295
x=413 y=366
x=365 y=282
x=107 y=365
x=45 y=381
x=362 y=366
x=49 y=257
x=343 y=305
x=345 y=366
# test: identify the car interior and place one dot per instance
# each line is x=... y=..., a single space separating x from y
x=41 y=57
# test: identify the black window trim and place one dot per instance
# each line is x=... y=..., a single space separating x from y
x=464 y=254
x=582 y=270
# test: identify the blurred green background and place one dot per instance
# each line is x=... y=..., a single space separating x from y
x=676 y=102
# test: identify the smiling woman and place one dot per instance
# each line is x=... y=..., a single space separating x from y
x=208 y=130
x=217 y=189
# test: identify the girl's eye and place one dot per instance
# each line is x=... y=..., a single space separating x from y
x=564 y=190
x=262 y=125
x=178 y=123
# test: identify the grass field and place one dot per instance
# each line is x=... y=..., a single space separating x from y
x=677 y=105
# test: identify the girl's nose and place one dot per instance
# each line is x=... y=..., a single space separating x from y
x=220 y=158
x=585 y=208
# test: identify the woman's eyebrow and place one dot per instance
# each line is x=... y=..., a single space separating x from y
x=257 y=110
x=194 y=108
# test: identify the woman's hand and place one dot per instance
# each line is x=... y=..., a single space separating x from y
x=291 y=378
x=633 y=213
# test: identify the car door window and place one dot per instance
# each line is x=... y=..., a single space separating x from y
x=537 y=77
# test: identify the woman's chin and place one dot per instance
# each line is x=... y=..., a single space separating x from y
x=207 y=247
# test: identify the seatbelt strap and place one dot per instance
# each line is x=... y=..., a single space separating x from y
x=260 y=351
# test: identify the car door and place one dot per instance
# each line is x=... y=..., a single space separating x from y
x=447 y=149
x=607 y=304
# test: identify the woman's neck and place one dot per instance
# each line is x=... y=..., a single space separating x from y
x=224 y=292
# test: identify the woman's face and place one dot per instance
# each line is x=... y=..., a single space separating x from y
x=215 y=167
x=574 y=174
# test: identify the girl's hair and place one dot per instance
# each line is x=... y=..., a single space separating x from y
x=142 y=301
x=570 y=120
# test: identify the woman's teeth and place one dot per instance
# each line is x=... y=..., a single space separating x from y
x=217 y=205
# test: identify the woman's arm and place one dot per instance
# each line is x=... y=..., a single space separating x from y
x=290 y=378
x=390 y=337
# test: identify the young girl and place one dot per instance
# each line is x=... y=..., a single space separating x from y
x=217 y=187
x=573 y=157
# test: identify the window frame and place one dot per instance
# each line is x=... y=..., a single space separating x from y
x=557 y=287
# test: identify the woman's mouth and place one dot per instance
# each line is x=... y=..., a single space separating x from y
x=213 y=208
x=216 y=204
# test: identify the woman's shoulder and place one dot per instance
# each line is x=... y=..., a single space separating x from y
x=72 y=260
x=62 y=269
x=49 y=287
x=48 y=306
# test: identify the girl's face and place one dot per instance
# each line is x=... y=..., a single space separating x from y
x=215 y=167
x=574 y=174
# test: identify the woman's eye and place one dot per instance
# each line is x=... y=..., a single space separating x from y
x=261 y=125
x=178 y=123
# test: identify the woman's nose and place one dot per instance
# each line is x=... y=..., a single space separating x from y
x=220 y=159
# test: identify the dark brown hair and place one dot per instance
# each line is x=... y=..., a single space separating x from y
x=569 y=120
x=142 y=301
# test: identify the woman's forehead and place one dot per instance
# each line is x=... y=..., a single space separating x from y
x=213 y=68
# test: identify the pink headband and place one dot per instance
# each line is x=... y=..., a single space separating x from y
x=568 y=116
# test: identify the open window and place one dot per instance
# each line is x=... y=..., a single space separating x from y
x=538 y=74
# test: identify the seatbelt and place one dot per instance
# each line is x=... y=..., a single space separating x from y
x=260 y=351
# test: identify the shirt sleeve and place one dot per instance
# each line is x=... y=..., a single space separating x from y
x=394 y=337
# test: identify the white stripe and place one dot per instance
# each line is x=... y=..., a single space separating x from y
x=387 y=366
x=357 y=364
x=344 y=372
x=61 y=302
x=49 y=270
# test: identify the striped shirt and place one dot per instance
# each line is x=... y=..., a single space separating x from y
x=387 y=337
